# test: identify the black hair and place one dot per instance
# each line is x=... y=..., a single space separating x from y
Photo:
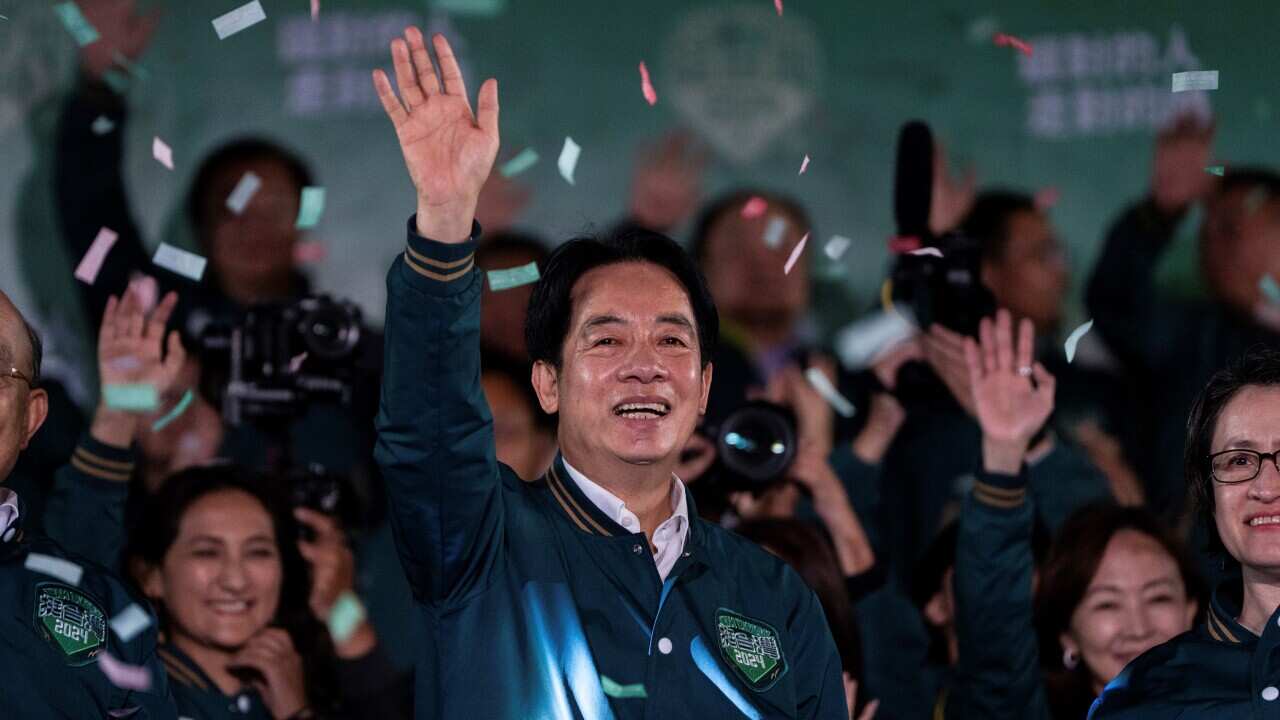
x=988 y=219
x=238 y=150
x=37 y=350
x=161 y=521
x=1250 y=177
x=1259 y=366
x=729 y=201
x=551 y=306
x=517 y=371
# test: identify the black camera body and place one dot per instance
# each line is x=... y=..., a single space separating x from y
x=278 y=358
x=755 y=445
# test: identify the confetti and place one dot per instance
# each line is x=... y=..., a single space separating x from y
x=927 y=251
x=774 y=231
x=902 y=244
x=795 y=255
x=310 y=208
x=1270 y=289
x=754 y=207
x=864 y=340
x=175 y=413
x=1216 y=170
x=804 y=165
x=616 y=690
x=1195 y=80
x=309 y=251
x=238 y=19
x=836 y=246
x=75 y=23
x=131 y=397
x=65 y=570
x=243 y=192
x=523 y=160
x=345 y=617
x=819 y=381
x=129 y=622
x=91 y=263
x=295 y=362
x=123 y=675
x=513 y=277
x=476 y=8
x=162 y=152
x=1003 y=40
x=1074 y=339
x=646 y=87
x=102 y=125
x=187 y=264
x=315 y=10
x=568 y=159
x=778 y=5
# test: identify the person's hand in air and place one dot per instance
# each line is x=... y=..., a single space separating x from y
x=123 y=33
x=1178 y=176
x=333 y=573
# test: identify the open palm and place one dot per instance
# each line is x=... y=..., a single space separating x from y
x=132 y=345
x=1009 y=406
x=448 y=150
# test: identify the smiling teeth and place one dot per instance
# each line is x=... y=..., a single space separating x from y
x=1268 y=520
x=655 y=408
x=230 y=605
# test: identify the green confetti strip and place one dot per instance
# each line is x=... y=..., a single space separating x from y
x=526 y=159
x=513 y=277
x=1270 y=289
x=75 y=23
x=175 y=413
x=475 y=8
x=1215 y=170
x=613 y=689
x=311 y=207
x=131 y=397
x=345 y=617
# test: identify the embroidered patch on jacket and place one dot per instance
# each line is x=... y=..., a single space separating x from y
x=751 y=648
x=71 y=622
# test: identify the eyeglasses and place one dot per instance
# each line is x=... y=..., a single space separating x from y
x=1236 y=466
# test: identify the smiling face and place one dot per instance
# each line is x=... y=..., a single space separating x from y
x=1247 y=514
x=22 y=408
x=631 y=385
x=1136 y=600
x=221 y=578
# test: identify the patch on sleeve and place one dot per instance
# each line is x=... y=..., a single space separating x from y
x=71 y=622
x=751 y=648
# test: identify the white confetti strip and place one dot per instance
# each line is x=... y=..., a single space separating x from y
x=774 y=231
x=91 y=263
x=804 y=165
x=187 y=264
x=927 y=251
x=568 y=161
x=102 y=125
x=1074 y=339
x=863 y=341
x=819 y=381
x=1195 y=80
x=238 y=19
x=129 y=622
x=795 y=254
x=65 y=570
x=243 y=192
x=123 y=675
x=836 y=246
x=161 y=151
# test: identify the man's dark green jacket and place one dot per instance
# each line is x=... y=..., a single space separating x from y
x=1219 y=669
x=538 y=605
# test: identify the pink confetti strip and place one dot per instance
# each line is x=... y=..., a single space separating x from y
x=646 y=87
x=315 y=9
x=91 y=263
x=1003 y=40
x=162 y=152
x=1046 y=198
x=307 y=252
x=795 y=255
x=123 y=675
x=903 y=244
x=754 y=207
x=295 y=363
x=778 y=5
x=804 y=165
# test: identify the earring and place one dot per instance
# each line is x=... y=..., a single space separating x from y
x=1070 y=659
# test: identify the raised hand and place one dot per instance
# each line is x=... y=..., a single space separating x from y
x=1012 y=394
x=952 y=197
x=1178 y=177
x=122 y=33
x=667 y=186
x=448 y=150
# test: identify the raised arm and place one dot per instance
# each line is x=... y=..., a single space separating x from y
x=435 y=434
x=998 y=669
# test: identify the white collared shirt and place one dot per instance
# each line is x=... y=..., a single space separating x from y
x=668 y=538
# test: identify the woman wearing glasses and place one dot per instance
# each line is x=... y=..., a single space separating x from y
x=1228 y=667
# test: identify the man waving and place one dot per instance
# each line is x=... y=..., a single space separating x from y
x=595 y=591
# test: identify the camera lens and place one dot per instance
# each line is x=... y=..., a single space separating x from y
x=330 y=331
x=757 y=442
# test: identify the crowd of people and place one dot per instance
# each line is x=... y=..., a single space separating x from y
x=525 y=502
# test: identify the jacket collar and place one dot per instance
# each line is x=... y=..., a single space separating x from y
x=183 y=670
x=1224 y=608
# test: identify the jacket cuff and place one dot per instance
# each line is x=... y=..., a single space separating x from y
x=436 y=264
x=102 y=461
x=1001 y=491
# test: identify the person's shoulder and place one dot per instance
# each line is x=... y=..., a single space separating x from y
x=749 y=563
x=1190 y=670
x=43 y=557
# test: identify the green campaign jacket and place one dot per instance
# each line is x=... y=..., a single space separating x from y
x=538 y=605
x=53 y=634
x=1218 y=669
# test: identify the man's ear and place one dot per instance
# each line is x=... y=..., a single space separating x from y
x=546 y=383
x=37 y=411
x=706 y=389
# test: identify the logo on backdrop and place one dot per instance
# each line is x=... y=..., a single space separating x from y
x=741 y=76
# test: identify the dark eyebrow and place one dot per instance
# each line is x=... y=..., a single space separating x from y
x=680 y=320
x=599 y=320
x=1235 y=443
